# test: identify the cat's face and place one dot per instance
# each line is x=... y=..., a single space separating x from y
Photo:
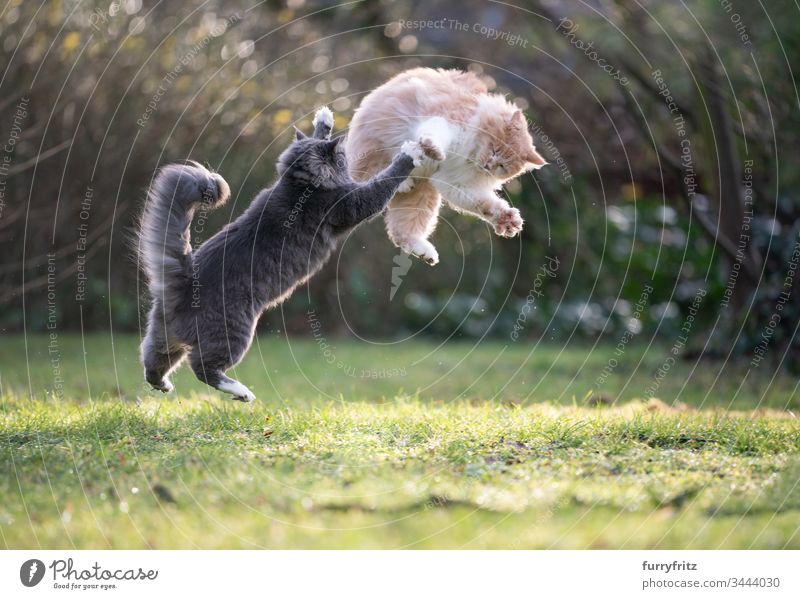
x=506 y=148
x=318 y=162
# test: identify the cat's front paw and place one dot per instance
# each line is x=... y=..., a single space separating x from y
x=413 y=150
x=323 y=123
x=508 y=223
x=431 y=150
x=406 y=185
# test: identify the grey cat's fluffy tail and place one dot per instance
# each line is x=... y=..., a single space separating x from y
x=164 y=236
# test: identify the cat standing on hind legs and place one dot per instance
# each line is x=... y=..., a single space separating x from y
x=206 y=302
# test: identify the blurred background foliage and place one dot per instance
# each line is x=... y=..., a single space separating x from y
x=112 y=90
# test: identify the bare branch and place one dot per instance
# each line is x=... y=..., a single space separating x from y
x=31 y=162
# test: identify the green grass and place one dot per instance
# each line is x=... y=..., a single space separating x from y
x=484 y=446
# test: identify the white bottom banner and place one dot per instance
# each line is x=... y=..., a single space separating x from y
x=389 y=574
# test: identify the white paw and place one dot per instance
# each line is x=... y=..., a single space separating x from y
x=508 y=223
x=431 y=149
x=424 y=250
x=414 y=151
x=165 y=386
x=406 y=185
x=324 y=116
x=239 y=391
x=248 y=397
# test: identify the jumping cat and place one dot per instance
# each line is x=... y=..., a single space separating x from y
x=206 y=302
x=480 y=141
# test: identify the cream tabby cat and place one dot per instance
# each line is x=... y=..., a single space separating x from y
x=482 y=139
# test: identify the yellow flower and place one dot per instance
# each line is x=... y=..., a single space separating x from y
x=282 y=117
x=71 y=41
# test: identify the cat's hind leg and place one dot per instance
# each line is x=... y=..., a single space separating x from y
x=210 y=367
x=158 y=364
x=158 y=357
x=219 y=380
x=411 y=219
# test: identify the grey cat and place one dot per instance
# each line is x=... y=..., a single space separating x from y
x=206 y=303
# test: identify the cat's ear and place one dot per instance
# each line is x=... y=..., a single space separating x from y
x=534 y=158
x=517 y=120
x=298 y=135
x=334 y=143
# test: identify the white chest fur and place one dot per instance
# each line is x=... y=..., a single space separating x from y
x=458 y=174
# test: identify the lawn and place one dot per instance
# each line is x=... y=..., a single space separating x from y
x=413 y=445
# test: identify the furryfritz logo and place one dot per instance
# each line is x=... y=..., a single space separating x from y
x=32 y=572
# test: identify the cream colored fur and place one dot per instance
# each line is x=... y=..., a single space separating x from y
x=482 y=138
